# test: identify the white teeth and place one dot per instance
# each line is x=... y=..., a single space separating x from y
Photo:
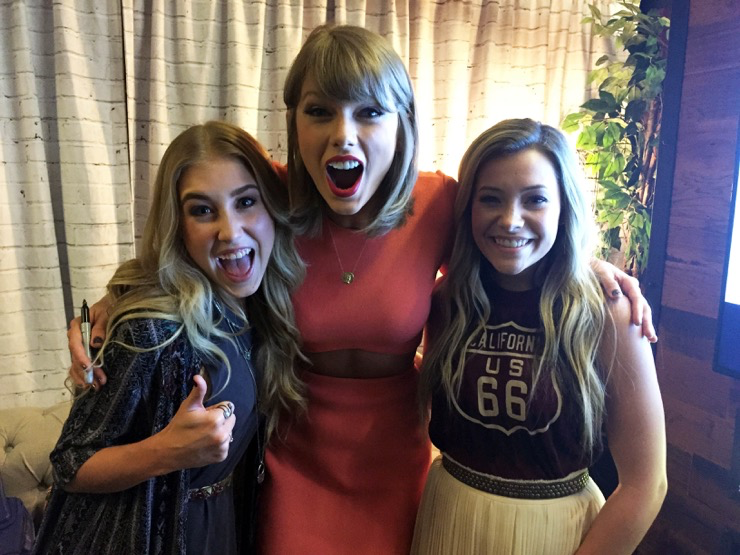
x=241 y=253
x=512 y=243
x=345 y=165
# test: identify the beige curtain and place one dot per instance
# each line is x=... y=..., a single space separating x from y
x=92 y=91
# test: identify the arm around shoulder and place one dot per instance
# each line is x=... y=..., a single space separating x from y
x=636 y=435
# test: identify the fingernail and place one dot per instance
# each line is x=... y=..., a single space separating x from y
x=97 y=341
x=616 y=292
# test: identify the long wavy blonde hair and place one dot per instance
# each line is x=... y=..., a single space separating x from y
x=164 y=282
x=353 y=64
x=571 y=304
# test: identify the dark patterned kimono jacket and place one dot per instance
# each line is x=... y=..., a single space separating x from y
x=143 y=392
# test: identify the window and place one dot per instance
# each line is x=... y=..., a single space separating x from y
x=727 y=351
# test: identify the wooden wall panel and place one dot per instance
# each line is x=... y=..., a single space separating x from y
x=701 y=515
x=694 y=430
x=692 y=287
x=688 y=380
x=702 y=55
x=679 y=468
x=700 y=242
x=705 y=12
x=684 y=527
x=708 y=485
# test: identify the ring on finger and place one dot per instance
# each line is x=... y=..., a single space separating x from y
x=228 y=410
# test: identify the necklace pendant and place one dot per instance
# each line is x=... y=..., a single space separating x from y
x=348 y=277
x=260 y=472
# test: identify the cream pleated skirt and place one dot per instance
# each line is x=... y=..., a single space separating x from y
x=456 y=518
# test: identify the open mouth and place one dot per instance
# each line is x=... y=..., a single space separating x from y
x=237 y=265
x=344 y=176
x=511 y=243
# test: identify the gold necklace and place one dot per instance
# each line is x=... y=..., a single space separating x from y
x=347 y=277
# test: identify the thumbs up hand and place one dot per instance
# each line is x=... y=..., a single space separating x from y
x=198 y=436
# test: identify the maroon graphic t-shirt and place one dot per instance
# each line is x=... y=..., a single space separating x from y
x=499 y=424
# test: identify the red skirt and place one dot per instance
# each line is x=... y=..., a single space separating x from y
x=349 y=475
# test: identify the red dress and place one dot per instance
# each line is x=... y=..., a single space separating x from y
x=349 y=475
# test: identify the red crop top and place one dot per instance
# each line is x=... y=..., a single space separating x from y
x=385 y=308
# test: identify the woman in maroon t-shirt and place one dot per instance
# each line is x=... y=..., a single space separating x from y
x=525 y=361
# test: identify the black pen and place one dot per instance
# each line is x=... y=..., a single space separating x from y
x=85 y=327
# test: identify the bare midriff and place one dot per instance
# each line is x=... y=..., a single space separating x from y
x=356 y=363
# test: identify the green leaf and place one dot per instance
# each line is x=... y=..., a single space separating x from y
x=611 y=168
x=612 y=134
x=631 y=7
x=587 y=138
x=606 y=83
x=654 y=77
x=584 y=142
x=595 y=105
x=602 y=60
x=622 y=203
x=601 y=217
x=634 y=175
x=608 y=99
x=635 y=109
x=615 y=195
x=614 y=130
x=592 y=158
x=598 y=75
x=609 y=185
x=572 y=122
x=614 y=220
x=621 y=162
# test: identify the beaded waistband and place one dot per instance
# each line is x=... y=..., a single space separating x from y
x=518 y=489
x=198 y=494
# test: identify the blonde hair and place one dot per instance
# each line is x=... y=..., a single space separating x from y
x=571 y=303
x=164 y=282
x=353 y=64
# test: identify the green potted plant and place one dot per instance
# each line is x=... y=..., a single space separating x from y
x=619 y=131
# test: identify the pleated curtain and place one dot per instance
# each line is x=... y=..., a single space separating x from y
x=92 y=91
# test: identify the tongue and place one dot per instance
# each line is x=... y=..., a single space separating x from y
x=344 y=179
x=238 y=267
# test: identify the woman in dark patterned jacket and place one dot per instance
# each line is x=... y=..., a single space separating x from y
x=145 y=464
